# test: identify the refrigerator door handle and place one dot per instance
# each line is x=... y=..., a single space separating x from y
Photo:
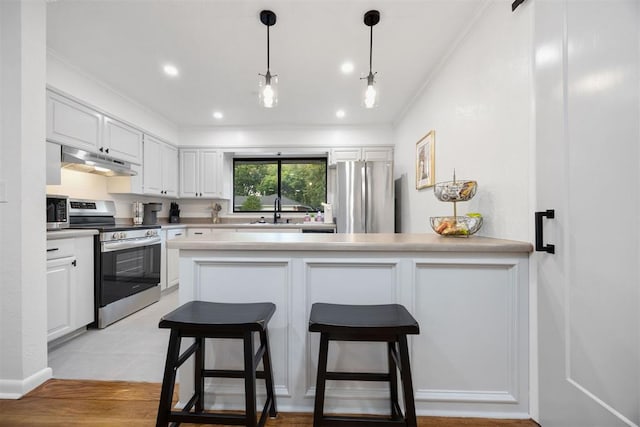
x=365 y=198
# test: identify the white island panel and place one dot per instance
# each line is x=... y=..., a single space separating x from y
x=470 y=297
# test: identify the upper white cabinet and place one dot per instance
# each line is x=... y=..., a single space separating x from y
x=368 y=154
x=73 y=124
x=121 y=141
x=160 y=168
x=76 y=125
x=201 y=173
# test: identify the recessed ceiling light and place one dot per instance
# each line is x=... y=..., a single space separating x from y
x=347 y=67
x=340 y=114
x=217 y=115
x=170 y=70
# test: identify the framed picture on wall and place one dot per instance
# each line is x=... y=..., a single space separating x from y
x=426 y=161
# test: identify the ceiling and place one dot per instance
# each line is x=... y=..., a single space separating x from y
x=219 y=47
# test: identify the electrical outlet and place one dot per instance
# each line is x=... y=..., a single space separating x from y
x=3 y=192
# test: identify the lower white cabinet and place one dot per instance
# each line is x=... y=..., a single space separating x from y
x=61 y=279
x=172 y=257
x=70 y=291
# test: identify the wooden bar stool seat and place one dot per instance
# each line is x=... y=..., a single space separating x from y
x=390 y=323
x=200 y=320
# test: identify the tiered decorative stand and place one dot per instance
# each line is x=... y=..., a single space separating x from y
x=456 y=191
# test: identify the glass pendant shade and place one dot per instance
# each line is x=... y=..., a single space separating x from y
x=371 y=96
x=268 y=90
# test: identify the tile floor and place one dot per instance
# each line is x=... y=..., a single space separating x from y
x=132 y=349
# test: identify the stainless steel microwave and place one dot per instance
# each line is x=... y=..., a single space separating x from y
x=57 y=212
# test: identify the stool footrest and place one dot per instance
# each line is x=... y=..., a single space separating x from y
x=357 y=376
x=361 y=421
x=228 y=373
x=207 y=418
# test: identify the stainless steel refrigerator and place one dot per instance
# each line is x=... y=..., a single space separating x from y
x=365 y=197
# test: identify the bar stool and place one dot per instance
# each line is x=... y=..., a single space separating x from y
x=200 y=320
x=388 y=323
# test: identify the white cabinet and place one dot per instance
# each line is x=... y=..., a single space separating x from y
x=76 y=125
x=70 y=291
x=201 y=173
x=369 y=154
x=160 y=168
x=54 y=177
x=173 y=258
x=200 y=231
x=71 y=123
x=61 y=279
x=121 y=141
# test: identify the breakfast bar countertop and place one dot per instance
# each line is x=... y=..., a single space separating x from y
x=376 y=242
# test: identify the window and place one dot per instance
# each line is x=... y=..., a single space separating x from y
x=301 y=184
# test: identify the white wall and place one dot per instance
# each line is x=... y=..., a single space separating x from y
x=478 y=103
x=74 y=82
x=23 y=292
x=292 y=139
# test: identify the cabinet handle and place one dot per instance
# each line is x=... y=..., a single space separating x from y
x=53 y=249
x=540 y=246
x=74 y=263
x=107 y=150
x=178 y=234
x=197 y=233
x=101 y=149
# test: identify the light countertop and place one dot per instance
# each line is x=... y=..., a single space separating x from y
x=249 y=226
x=347 y=242
x=70 y=233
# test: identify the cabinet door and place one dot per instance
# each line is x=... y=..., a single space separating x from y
x=345 y=154
x=173 y=260
x=199 y=231
x=83 y=307
x=209 y=172
x=189 y=173
x=169 y=170
x=60 y=296
x=377 y=154
x=152 y=166
x=73 y=124
x=121 y=141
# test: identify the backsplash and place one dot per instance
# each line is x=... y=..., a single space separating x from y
x=80 y=185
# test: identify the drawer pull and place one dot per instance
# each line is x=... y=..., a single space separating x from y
x=53 y=249
x=178 y=234
x=198 y=232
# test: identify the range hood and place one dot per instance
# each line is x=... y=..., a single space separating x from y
x=84 y=161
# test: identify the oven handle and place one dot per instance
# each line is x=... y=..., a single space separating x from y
x=128 y=244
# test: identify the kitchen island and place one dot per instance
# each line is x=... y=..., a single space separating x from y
x=469 y=295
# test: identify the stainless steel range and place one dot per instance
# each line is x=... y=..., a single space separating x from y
x=126 y=258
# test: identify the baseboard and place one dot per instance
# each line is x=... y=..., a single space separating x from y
x=15 y=389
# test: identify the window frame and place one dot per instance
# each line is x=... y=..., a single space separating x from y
x=278 y=160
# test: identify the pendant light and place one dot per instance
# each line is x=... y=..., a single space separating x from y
x=370 y=99
x=267 y=86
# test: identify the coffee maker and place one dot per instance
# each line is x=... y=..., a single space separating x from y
x=151 y=213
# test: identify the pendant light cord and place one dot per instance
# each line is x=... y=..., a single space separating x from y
x=371 y=50
x=267 y=48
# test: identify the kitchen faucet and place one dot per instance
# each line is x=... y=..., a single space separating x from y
x=277 y=207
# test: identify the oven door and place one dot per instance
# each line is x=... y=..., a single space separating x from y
x=128 y=267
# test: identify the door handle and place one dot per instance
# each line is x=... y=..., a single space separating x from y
x=540 y=246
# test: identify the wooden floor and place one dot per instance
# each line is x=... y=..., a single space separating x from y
x=120 y=403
